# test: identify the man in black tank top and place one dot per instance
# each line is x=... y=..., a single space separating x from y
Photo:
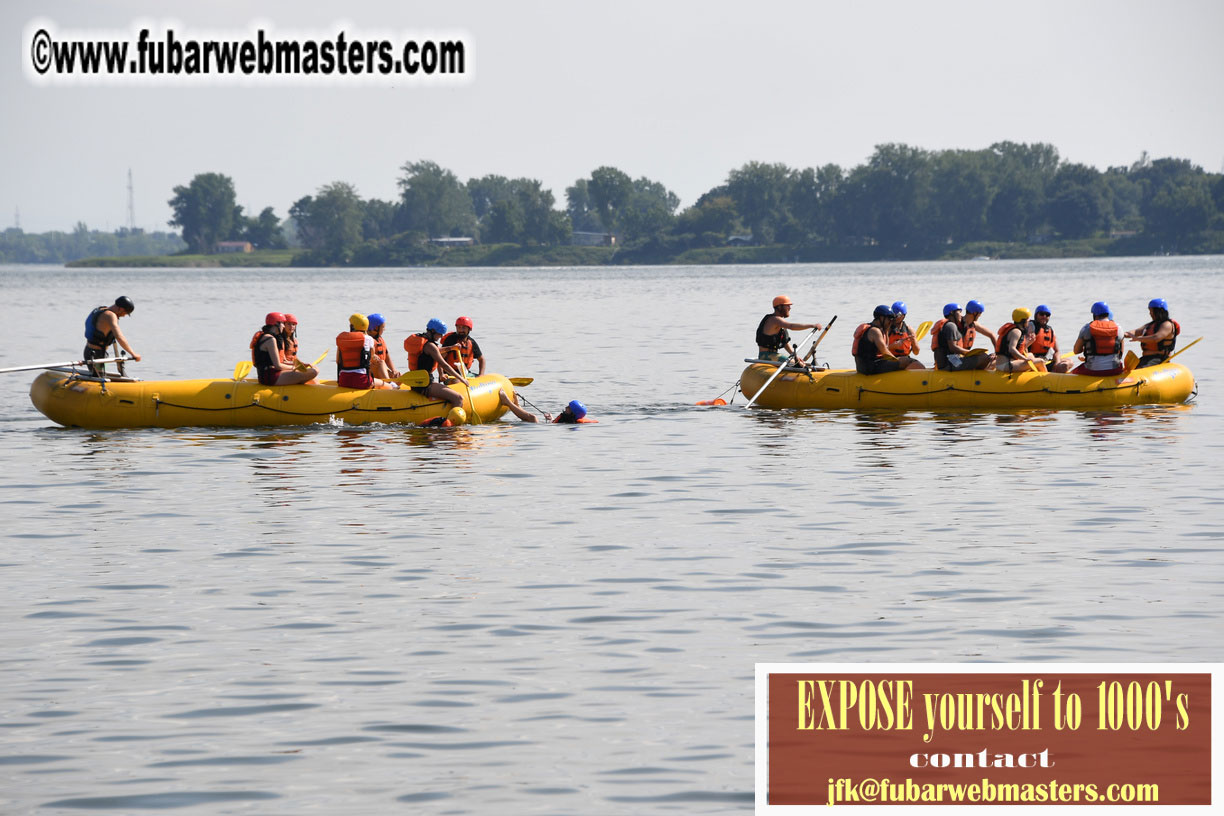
x=772 y=338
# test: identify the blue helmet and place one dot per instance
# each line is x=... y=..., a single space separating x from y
x=1100 y=309
x=899 y=308
x=950 y=308
x=577 y=409
x=974 y=307
x=376 y=320
x=1158 y=303
x=436 y=325
x=882 y=311
x=1042 y=309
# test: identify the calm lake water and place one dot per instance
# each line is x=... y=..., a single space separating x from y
x=530 y=619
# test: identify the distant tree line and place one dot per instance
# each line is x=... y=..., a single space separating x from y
x=18 y=246
x=904 y=201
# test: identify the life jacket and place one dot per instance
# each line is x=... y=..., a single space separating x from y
x=92 y=335
x=967 y=337
x=380 y=350
x=858 y=335
x=771 y=342
x=935 y=330
x=1104 y=341
x=459 y=348
x=900 y=340
x=1021 y=345
x=1042 y=339
x=280 y=340
x=351 y=353
x=289 y=352
x=417 y=361
x=573 y=420
x=259 y=355
x=1159 y=347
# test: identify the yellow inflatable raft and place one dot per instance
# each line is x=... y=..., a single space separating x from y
x=973 y=390
x=84 y=403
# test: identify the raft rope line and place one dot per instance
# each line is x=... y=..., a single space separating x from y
x=157 y=403
x=862 y=390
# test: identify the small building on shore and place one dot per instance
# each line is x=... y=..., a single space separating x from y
x=453 y=241
x=234 y=246
x=581 y=238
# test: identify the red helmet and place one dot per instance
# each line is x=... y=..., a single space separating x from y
x=290 y=319
x=272 y=318
x=464 y=321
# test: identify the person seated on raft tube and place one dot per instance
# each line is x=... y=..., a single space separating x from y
x=1101 y=344
x=266 y=356
x=1012 y=345
x=102 y=329
x=424 y=354
x=870 y=346
x=952 y=344
x=288 y=338
x=1043 y=345
x=901 y=339
x=1157 y=338
x=772 y=336
x=971 y=327
x=381 y=367
x=460 y=345
x=354 y=348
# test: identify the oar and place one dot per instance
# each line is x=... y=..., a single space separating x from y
x=812 y=351
x=519 y=382
x=100 y=360
x=782 y=364
x=1132 y=360
x=1191 y=343
x=300 y=366
x=241 y=370
x=414 y=379
x=923 y=328
x=464 y=378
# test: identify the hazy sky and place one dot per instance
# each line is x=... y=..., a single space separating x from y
x=681 y=92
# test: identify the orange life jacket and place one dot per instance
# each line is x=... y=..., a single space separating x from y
x=289 y=352
x=1042 y=340
x=1104 y=341
x=380 y=350
x=900 y=340
x=259 y=356
x=351 y=353
x=967 y=337
x=858 y=334
x=1021 y=346
x=1162 y=347
x=939 y=324
x=462 y=348
x=575 y=421
x=413 y=344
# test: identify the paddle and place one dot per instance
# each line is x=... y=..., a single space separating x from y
x=519 y=382
x=414 y=379
x=101 y=360
x=1191 y=343
x=923 y=328
x=241 y=370
x=1132 y=360
x=472 y=400
x=782 y=364
x=812 y=351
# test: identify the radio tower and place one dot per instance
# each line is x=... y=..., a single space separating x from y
x=131 y=204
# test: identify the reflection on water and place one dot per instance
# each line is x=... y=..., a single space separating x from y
x=528 y=618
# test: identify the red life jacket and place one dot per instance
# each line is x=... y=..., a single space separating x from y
x=1042 y=341
x=900 y=341
x=1021 y=346
x=1161 y=347
x=461 y=348
x=414 y=344
x=1104 y=341
x=351 y=353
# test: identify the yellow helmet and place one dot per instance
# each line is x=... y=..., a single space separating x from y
x=1020 y=315
x=358 y=321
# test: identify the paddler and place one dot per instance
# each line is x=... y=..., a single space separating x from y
x=289 y=344
x=102 y=329
x=971 y=325
x=1101 y=344
x=1012 y=344
x=870 y=346
x=1157 y=338
x=354 y=349
x=266 y=356
x=459 y=344
x=901 y=339
x=424 y=354
x=772 y=336
x=381 y=366
x=1043 y=345
x=952 y=346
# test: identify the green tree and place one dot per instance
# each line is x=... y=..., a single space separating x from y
x=330 y=223
x=580 y=208
x=1078 y=202
x=204 y=209
x=264 y=231
x=759 y=191
x=895 y=197
x=648 y=211
x=962 y=188
x=434 y=202
x=506 y=224
x=609 y=190
x=811 y=201
x=378 y=219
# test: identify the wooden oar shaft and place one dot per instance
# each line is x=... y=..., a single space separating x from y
x=782 y=365
x=1188 y=345
x=70 y=364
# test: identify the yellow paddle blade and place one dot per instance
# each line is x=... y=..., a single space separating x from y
x=923 y=328
x=519 y=382
x=414 y=379
x=242 y=369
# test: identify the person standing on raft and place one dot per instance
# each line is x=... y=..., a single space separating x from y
x=266 y=356
x=772 y=335
x=1157 y=338
x=102 y=329
x=424 y=354
x=1101 y=344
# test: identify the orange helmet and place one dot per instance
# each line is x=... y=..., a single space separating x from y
x=782 y=300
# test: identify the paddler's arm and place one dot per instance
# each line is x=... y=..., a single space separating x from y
x=877 y=337
x=119 y=338
x=433 y=351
